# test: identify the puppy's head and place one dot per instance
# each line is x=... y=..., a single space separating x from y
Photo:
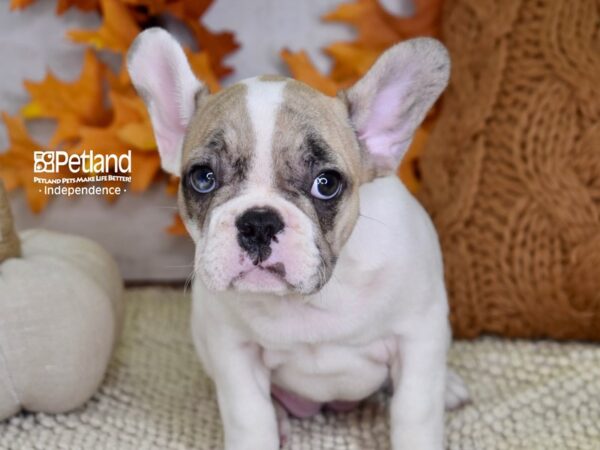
x=270 y=168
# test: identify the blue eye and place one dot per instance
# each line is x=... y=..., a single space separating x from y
x=327 y=185
x=202 y=179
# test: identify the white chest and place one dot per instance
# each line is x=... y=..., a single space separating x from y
x=328 y=372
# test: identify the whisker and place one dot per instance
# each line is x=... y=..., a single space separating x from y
x=375 y=220
x=189 y=281
x=322 y=266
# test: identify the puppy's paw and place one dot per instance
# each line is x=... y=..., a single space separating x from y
x=457 y=393
x=283 y=424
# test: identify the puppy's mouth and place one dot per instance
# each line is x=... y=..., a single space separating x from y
x=276 y=269
x=263 y=277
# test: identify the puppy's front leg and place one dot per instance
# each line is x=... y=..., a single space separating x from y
x=419 y=372
x=243 y=393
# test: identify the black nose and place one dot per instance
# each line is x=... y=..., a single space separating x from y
x=257 y=227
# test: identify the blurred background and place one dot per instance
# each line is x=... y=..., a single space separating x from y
x=133 y=227
x=507 y=163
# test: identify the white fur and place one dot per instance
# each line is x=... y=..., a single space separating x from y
x=262 y=101
x=384 y=304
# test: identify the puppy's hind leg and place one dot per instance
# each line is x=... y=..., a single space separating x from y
x=283 y=424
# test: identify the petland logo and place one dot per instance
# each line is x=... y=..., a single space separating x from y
x=89 y=162
x=85 y=168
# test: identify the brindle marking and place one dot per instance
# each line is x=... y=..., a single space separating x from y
x=220 y=136
x=312 y=133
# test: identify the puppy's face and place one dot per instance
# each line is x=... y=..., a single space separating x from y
x=270 y=171
x=270 y=168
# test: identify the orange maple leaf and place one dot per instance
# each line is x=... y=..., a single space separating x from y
x=193 y=9
x=83 y=5
x=371 y=21
x=117 y=32
x=201 y=66
x=217 y=45
x=145 y=166
x=71 y=103
x=177 y=227
x=120 y=81
x=16 y=164
x=377 y=30
x=351 y=61
x=20 y=4
x=129 y=110
x=130 y=129
x=303 y=69
x=148 y=7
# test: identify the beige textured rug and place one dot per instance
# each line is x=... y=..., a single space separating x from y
x=526 y=396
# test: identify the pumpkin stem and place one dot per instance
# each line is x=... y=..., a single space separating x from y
x=10 y=246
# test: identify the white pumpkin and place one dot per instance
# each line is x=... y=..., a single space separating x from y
x=60 y=316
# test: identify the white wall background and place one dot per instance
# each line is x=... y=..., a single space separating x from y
x=132 y=229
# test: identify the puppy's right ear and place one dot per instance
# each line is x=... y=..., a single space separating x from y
x=388 y=104
x=163 y=78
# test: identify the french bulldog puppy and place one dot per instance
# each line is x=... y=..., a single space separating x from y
x=318 y=276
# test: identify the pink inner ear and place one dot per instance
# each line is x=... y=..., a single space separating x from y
x=168 y=95
x=165 y=112
x=383 y=130
x=160 y=71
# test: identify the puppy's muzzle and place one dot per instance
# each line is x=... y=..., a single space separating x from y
x=257 y=228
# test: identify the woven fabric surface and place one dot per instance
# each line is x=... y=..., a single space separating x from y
x=511 y=172
x=526 y=396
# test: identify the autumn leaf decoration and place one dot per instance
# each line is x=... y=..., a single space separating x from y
x=101 y=110
x=86 y=120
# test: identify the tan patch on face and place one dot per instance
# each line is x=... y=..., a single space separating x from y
x=306 y=107
x=313 y=134
x=220 y=135
x=274 y=78
x=225 y=110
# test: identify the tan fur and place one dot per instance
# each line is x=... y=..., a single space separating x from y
x=225 y=110
x=305 y=108
x=274 y=78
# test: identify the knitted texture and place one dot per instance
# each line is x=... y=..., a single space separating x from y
x=526 y=396
x=511 y=173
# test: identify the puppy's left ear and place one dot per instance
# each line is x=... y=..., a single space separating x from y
x=161 y=74
x=388 y=104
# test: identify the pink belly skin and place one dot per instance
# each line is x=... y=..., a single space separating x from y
x=302 y=408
